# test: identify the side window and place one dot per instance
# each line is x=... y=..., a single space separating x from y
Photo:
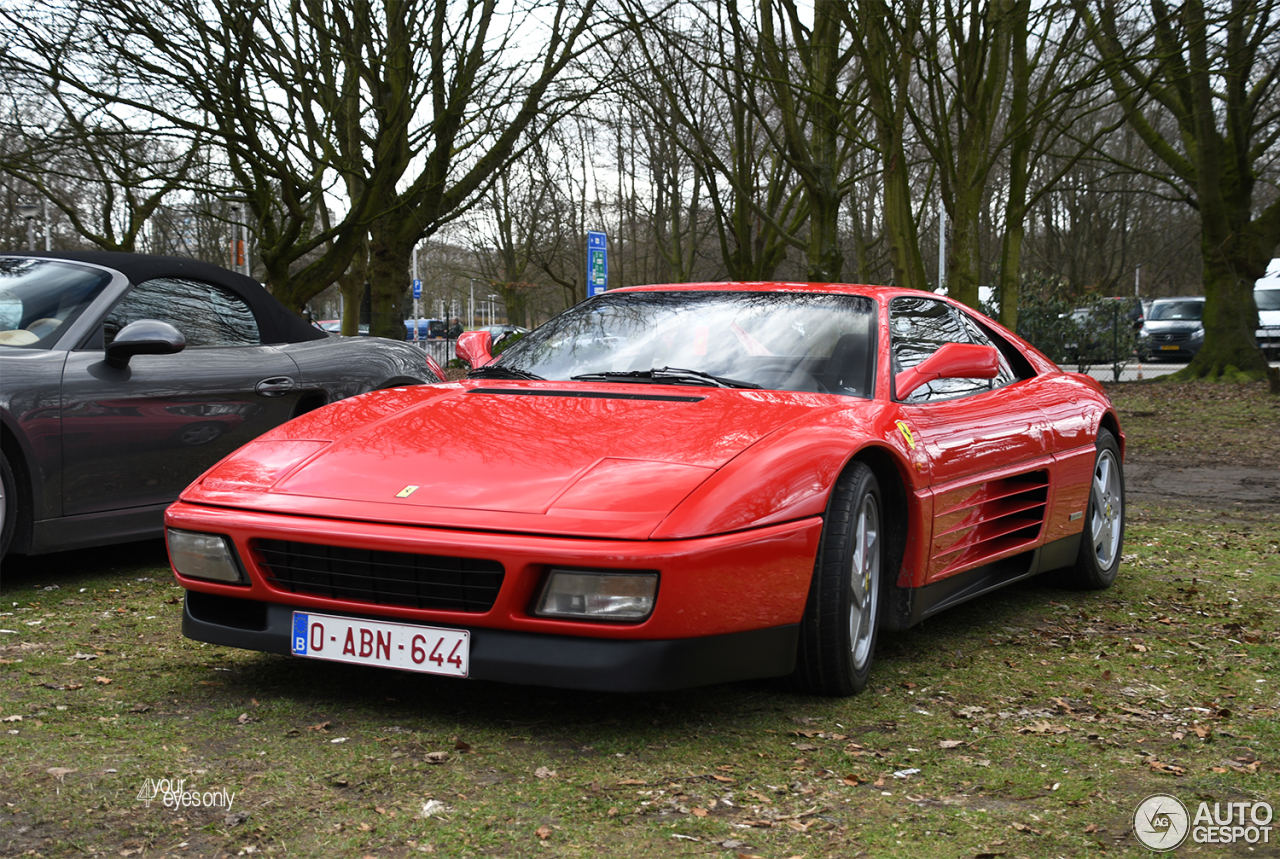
x=207 y=315
x=921 y=326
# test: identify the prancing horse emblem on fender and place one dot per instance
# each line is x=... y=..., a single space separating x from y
x=407 y=491
x=906 y=434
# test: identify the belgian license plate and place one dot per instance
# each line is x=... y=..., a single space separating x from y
x=1169 y=348
x=390 y=645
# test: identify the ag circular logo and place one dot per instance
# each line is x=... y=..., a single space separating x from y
x=1161 y=822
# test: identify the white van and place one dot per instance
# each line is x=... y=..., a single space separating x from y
x=1266 y=294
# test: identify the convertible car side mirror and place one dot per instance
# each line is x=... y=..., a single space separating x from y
x=144 y=337
x=475 y=347
x=952 y=361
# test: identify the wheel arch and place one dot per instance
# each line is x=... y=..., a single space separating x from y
x=1111 y=424
x=309 y=403
x=26 y=491
x=399 y=382
x=893 y=495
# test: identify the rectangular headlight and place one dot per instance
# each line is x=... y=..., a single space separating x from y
x=603 y=595
x=203 y=556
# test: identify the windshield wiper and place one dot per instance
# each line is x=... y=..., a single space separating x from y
x=677 y=375
x=496 y=371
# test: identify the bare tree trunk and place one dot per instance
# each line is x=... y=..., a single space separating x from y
x=1020 y=134
x=390 y=256
x=1206 y=65
x=351 y=285
x=885 y=39
x=811 y=117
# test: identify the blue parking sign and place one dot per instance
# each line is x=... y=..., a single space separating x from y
x=597 y=263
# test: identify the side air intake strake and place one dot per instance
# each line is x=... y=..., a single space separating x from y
x=982 y=522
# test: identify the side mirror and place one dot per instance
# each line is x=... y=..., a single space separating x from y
x=952 y=361
x=144 y=337
x=475 y=347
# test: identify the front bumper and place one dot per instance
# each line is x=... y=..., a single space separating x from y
x=529 y=658
x=728 y=606
x=1169 y=348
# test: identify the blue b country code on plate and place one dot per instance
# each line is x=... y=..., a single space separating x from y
x=410 y=647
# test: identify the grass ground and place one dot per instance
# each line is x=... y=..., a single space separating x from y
x=1029 y=723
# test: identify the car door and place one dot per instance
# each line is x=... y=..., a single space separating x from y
x=136 y=436
x=985 y=442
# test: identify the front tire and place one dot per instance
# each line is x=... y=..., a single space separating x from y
x=1103 y=539
x=842 y=617
x=8 y=505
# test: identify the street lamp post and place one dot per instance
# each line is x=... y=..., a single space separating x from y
x=29 y=211
x=239 y=251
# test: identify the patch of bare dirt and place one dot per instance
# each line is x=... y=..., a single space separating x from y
x=1161 y=478
x=1204 y=443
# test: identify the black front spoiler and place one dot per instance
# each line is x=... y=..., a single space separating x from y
x=570 y=662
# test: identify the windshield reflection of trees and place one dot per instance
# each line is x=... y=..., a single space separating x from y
x=918 y=328
x=205 y=314
x=780 y=341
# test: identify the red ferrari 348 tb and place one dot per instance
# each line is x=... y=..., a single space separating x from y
x=664 y=486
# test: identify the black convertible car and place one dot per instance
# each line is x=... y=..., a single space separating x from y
x=123 y=377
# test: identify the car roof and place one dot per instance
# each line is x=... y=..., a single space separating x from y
x=1179 y=298
x=277 y=324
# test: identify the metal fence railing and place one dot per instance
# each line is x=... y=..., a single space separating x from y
x=440 y=349
x=1132 y=371
x=1098 y=336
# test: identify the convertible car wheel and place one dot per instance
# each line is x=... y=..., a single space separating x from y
x=1099 y=557
x=8 y=505
x=838 y=633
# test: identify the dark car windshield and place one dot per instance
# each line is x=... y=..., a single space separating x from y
x=1267 y=299
x=789 y=341
x=39 y=298
x=1165 y=311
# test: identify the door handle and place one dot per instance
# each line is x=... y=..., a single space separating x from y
x=276 y=386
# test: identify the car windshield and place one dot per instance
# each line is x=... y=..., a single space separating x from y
x=789 y=341
x=39 y=298
x=1181 y=310
x=1267 y=299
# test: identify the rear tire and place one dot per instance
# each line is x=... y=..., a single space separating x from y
x=1103 y=539
x=842 y=617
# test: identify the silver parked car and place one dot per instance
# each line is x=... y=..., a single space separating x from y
x=125 y=376
x=1173 y=329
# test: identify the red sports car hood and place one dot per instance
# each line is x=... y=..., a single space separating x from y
x=615 y=459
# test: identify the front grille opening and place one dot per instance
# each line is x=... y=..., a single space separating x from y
x=379 y=577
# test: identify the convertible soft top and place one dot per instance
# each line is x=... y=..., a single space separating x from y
x=277 y=323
